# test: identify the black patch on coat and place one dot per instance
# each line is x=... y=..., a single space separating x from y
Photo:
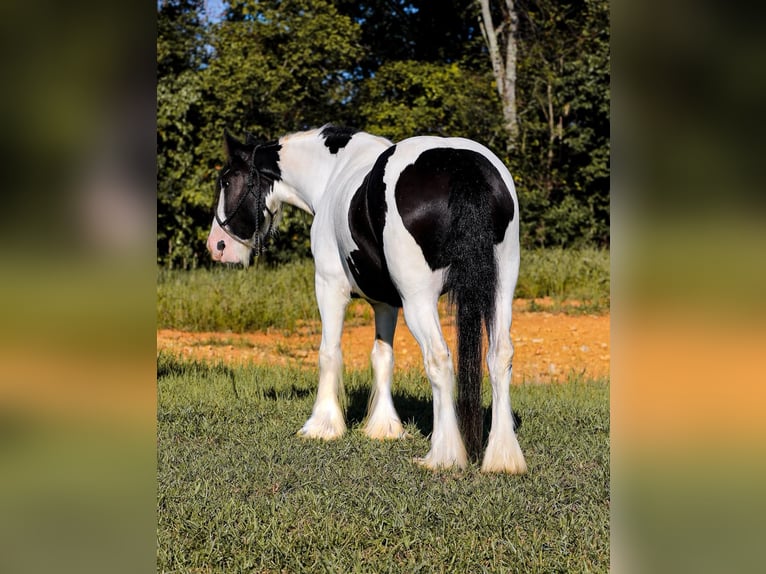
x=337 y=137
x=239 y=211
x=366 y=218
x=235 y=175
x=427 y=188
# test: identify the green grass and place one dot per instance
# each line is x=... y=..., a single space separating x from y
x=236 y=299
x=239 y=300
x=580 y=275
x=239 y=492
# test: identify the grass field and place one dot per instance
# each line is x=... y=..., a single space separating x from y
x=240 y=300
x=239 y=492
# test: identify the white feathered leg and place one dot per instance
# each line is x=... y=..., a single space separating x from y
x=503 y=453
x=382 y=421
x=447 y=448
x=327 y=421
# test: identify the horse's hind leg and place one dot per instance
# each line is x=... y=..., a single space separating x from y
x=447 y=448
x=382 y=420
x=327 y=420
x=503 y=453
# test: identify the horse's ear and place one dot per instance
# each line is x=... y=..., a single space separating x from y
x=230 y=143
x=234 y=147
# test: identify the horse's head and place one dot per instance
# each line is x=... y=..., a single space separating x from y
x=243 y=214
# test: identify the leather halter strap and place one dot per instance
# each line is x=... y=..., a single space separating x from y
x=253 y=182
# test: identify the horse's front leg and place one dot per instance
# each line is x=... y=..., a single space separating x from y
x=382 y=420
x=326 y=421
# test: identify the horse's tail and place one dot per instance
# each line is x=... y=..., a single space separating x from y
x=472 y=283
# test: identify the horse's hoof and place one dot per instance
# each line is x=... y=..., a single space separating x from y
x=504 y=456
x=431 y=463
x=324 y=430
x=391 y=430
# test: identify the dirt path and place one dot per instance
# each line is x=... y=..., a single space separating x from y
x=549 y=347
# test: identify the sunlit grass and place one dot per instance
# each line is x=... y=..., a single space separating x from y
x=566 y=275
x=239 y=491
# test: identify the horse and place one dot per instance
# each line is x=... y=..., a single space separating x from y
x=398 y=225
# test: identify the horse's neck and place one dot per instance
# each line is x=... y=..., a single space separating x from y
x=307 y=165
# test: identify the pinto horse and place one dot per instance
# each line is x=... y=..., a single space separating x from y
x=398 y=225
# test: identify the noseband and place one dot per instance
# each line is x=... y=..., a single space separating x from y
x=253 y=180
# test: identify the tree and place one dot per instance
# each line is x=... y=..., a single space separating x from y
x=422 y=71
x=268 y=68
x=397 y=68
x=409 y=97
x=561 y=159
x=433 y=31
x=501 y=42
x=181 y=202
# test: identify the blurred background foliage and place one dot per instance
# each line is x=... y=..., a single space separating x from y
x=395 y=68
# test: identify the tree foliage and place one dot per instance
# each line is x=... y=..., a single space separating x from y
x=392 y=67
x=562 y=154
x=408 y=97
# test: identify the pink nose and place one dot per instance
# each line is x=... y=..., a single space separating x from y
x=216 y=251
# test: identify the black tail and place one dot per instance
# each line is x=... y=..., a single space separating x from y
x=472 y=282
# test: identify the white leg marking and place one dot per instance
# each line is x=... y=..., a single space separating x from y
x=382 y=421
x=447 y=448
x=326 y=421
x=503 y=453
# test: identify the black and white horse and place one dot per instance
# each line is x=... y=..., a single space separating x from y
x=398 y=225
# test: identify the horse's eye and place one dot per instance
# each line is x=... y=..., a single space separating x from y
x=226 y=183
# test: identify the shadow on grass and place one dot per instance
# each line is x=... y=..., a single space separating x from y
x=171 y=366
x=411 y=409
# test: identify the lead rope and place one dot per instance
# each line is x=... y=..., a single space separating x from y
x=257 y=243
x=260 y=207
x=260 y=201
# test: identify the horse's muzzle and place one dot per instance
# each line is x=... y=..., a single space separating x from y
x=225 y=249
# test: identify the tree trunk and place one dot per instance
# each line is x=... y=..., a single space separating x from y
x=503 y=61
x=551 y=128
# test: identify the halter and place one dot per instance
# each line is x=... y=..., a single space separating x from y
x=253 y=178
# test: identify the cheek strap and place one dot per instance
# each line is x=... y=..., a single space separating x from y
x=253 y=182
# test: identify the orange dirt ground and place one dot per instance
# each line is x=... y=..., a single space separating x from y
x=549 y=347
